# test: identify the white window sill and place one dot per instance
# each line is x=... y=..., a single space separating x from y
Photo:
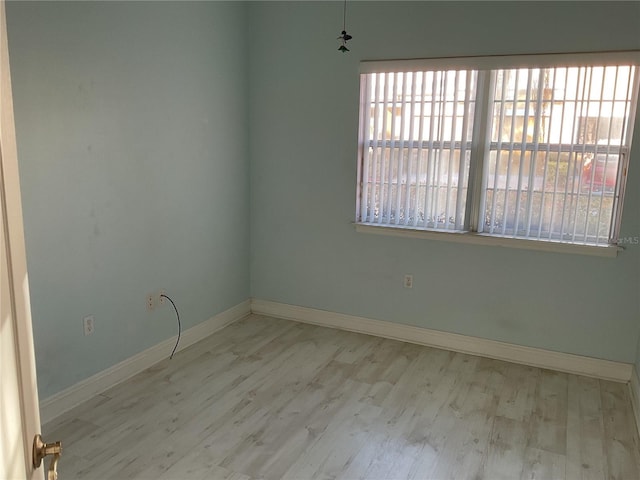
x=491 y=240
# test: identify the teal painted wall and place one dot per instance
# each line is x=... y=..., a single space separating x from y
x=132 y=132
x=145 y=165
x=304 y=109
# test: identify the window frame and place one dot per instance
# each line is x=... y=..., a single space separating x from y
x=486 y=67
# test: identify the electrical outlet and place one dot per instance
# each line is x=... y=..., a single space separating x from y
x=88 y=323
x=156 y=299
x=151 y=303
x=408 y=281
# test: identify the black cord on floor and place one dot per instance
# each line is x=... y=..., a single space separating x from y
x=179 y=326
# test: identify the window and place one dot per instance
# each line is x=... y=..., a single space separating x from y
x=527 y=147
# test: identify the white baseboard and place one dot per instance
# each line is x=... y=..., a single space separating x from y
x=634 y=393
x=65 y=400
x=536 y=357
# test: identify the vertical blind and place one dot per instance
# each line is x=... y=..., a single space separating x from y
x=550 y=144
x=416 y=163
x=558 y=146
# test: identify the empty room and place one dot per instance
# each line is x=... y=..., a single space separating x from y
x=315 y=240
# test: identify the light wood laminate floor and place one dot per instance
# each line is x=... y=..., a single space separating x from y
x=274 y=399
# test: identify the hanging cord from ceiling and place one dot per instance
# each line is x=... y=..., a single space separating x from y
x=344 y=36
x=179 y=325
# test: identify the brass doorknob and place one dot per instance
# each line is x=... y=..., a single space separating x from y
x=41 y=450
